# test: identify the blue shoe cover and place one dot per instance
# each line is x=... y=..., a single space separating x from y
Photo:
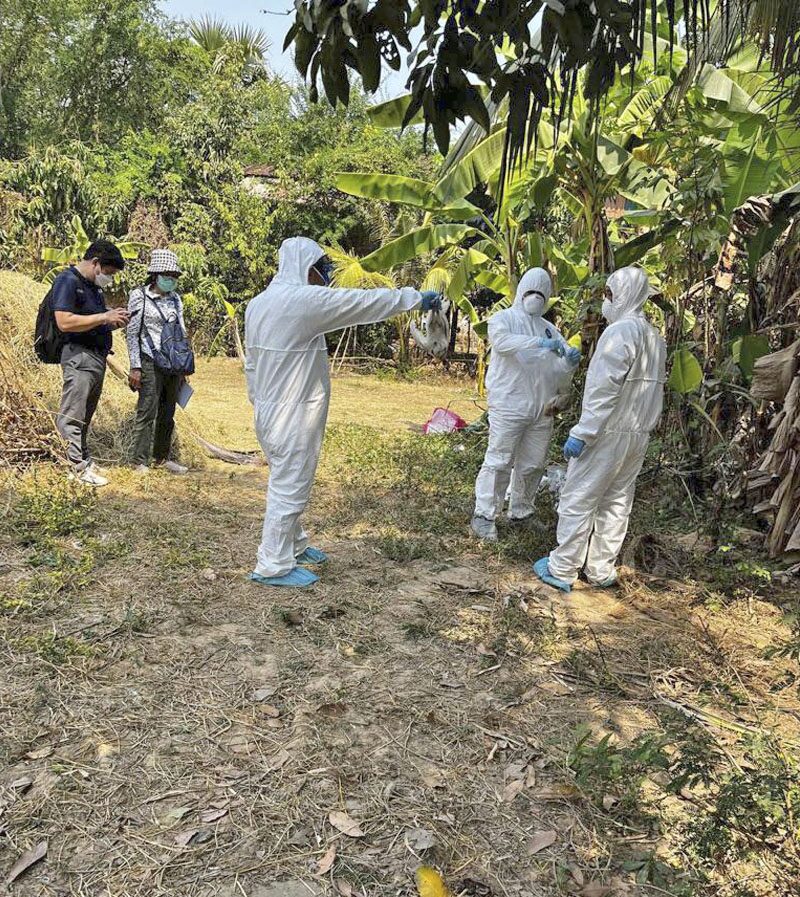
x=541 y=569
x=299 y=578
x=311 y=556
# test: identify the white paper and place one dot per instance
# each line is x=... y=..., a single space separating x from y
x=184 y=394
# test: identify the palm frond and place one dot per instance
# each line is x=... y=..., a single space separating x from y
x=252 y=40
x=440 y=274
x=215 y=36
x=348 y=272
x=380 y=227
x=437 y=279
x=209 y=33
x=776 y=25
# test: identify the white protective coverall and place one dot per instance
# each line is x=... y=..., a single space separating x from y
x=523 y=379
x=622 y=403
x=288 y=383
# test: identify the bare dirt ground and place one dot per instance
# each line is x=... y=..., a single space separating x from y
x=170 y=728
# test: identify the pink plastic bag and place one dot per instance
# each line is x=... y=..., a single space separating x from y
x=443 y=420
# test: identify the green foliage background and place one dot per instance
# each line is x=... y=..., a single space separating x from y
x=118 y=115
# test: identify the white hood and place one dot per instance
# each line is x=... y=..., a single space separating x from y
x=538 y=280
x=625 y=380
x=285 y=327
x=630 y=289
x=295 y=257
x=522 y=377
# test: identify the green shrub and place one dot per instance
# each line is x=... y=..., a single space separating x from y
x=51 y=506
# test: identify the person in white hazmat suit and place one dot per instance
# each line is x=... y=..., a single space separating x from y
x=622 y=402
x=288 y=383
x=530 y=370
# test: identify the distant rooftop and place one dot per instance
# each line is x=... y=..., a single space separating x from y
x=261 y=171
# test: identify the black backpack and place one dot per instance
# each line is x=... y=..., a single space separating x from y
x=48 y=340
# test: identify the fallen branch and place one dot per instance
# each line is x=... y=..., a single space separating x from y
x=229 y=455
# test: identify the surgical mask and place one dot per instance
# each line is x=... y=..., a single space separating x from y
x=533 y=303
x=166 y=284
x=609 y=311
x=103 y=280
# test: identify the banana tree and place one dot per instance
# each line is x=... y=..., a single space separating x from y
x=428 y=271
x=735 y=145
x=491 y=240
x=476 y=248
x=599 y=154
x=62 y=258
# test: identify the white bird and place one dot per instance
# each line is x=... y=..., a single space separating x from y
x=433 y=334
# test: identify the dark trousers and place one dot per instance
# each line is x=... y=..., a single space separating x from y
x=155 y=413
x=84 y=372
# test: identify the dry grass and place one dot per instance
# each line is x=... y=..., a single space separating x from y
x=221 y=409
x=173 y=729
x=34 y=389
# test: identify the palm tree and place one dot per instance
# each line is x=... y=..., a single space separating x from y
x=216 y=37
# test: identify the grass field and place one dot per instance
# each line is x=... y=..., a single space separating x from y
x=221 y=408
x=170 y=728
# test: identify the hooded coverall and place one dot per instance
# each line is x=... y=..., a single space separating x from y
x=523 y=379
x=288 y=383
x=622 y=402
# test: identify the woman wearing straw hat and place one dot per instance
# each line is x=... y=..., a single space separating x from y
x=161 y=359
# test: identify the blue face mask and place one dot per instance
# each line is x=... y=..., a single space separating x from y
x=166 y=284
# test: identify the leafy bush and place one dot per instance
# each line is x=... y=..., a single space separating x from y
x=739 y=811
x=164 y=164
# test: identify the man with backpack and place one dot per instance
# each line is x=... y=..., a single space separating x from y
x=81 y=342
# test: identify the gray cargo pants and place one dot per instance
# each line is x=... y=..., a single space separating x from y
x=84 y=372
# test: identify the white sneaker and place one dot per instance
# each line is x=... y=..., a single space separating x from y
x=174 y=467
x=484 y=529
x=89 y=477
x=530 y=522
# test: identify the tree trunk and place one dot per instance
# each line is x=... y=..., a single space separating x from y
x=774 y=485
x=601 y=261
x=453 y=329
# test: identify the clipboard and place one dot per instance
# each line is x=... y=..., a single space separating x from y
x=184 y=395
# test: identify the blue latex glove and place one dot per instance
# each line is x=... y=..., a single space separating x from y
x=573 y=447
x=431 y=300
x=573 y=356
x=553 y=345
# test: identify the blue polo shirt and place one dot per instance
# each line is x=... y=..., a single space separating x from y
x=72 y=292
